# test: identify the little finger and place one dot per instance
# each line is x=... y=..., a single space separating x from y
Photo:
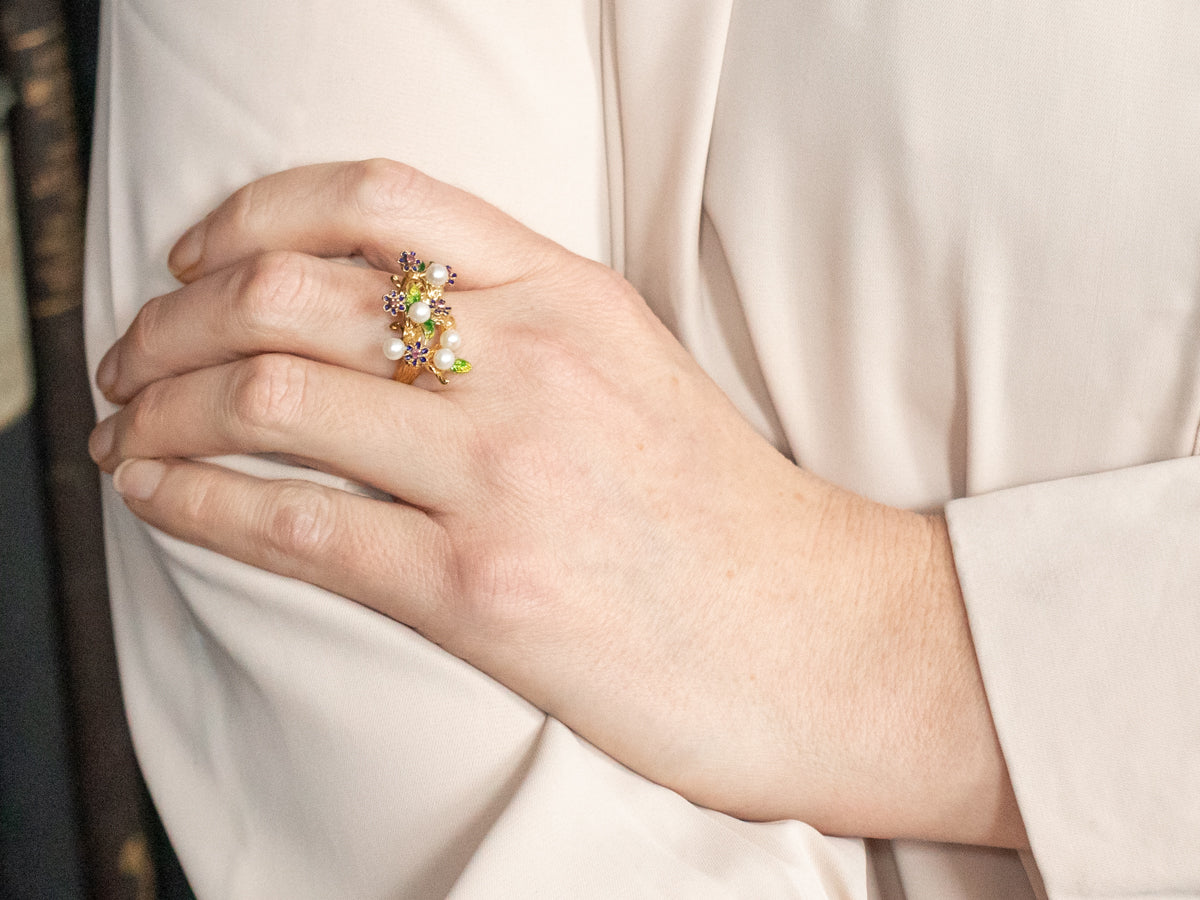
x=351 y=545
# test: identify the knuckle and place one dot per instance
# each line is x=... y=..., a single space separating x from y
x=199 y=505
x=385 y=189
x=270 y=394
x=272 y=287
x=574 y=375
x=143 y=413
x=145 y=328
x=496 y=594
x=237 y=211
x=614 y=290
x=606 y=289
x=298 y=521
x=527 y=461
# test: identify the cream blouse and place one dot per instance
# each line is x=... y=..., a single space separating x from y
x=932 y=250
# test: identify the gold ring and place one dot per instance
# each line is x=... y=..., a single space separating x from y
x=423 y=332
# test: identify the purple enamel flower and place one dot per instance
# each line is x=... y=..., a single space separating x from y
x=439 y=309
x=417 y=354
x=393 y=302
x=409 y=262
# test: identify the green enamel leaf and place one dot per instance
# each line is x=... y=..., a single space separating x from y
x=462 y=366
x=420 y=267
x=414 y=294
x=429 y=328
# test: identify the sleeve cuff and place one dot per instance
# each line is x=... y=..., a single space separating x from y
x=1083 y=596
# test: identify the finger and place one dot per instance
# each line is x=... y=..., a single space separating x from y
x=321 y=535
x=279 y=302
x=354 y=425
x=375 y=208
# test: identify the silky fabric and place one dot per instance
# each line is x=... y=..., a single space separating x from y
x=937 y=253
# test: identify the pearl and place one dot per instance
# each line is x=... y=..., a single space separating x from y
x=419 y=313
x=444 y=359
x=436 y=273
x=451 y=339
x=393 y=348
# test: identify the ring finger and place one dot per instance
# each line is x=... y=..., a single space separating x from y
x=279 y=302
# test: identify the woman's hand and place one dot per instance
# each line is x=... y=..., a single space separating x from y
x=584 y=516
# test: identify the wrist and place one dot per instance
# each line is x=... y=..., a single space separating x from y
x=915 y=752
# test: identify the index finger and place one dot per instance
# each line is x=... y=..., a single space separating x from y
x=374 y=208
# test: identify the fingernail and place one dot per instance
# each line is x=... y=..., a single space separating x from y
x=100 y=441
x=186 y=253
x=106 y=375
x=137 y=479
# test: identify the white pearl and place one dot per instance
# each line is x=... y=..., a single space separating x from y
x=451 y=339
x=393 y=348
x=444 y=359
x=436 y=273
x=419 y=313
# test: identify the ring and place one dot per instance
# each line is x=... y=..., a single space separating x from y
x=424 y=336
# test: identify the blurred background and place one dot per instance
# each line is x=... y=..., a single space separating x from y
x=75 y=819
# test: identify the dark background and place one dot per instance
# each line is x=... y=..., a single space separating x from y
x=49 y=809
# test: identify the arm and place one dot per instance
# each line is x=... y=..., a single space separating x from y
x=297 y=744
x=755 y=645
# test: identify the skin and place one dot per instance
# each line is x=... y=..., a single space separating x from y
x=598 y=527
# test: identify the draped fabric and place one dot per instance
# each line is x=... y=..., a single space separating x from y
x=931 y=250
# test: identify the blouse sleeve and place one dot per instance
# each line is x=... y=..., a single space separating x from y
x=1082 y=599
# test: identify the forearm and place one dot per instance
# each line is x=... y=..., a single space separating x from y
x=888 y=722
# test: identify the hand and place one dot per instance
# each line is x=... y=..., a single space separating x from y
x=584 y=516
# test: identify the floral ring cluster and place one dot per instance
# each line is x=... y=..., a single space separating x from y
x=424 y=336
